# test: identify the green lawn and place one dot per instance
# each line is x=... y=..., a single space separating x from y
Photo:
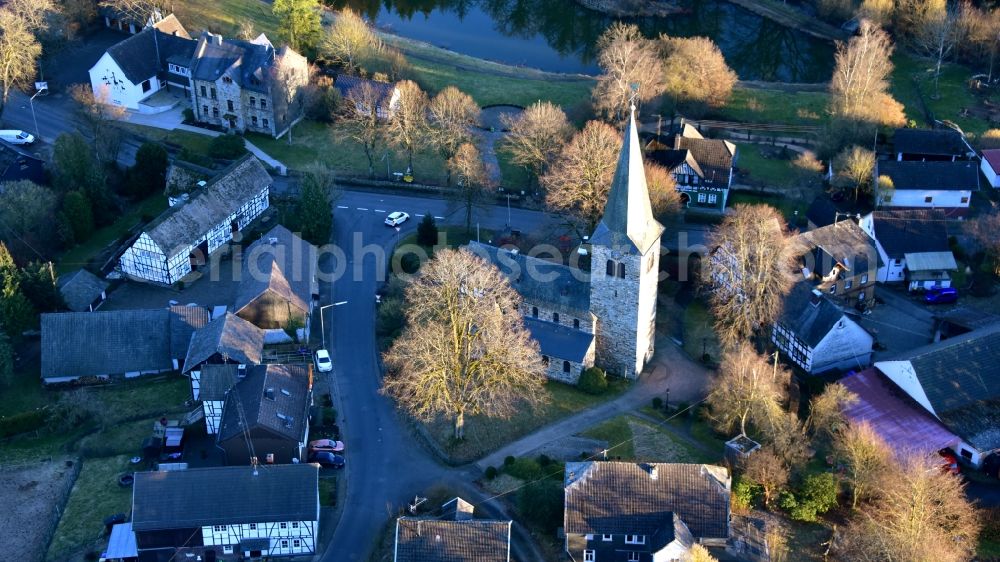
x=635 y=439
x=699 y=335
x=95 y=495
x=914 y=72
x=225 y=16
x=24 y=393
x=618 y=434
x=752 y=105
x=483 y=435
x=765 y=167
x=513 y=177
x=318 y=142
x=82 y=254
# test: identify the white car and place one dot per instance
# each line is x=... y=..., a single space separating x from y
x=16 y=136
x=396 y=218
x=323 y=363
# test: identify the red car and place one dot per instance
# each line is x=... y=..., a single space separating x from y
x=949 y=462
x=327 y=445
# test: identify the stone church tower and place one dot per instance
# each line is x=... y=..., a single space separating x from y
x=625 y=267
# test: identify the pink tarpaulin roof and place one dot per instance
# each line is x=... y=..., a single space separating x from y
x=903 y=424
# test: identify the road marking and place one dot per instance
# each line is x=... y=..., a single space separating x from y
x=342 y=207
x=379 y=211
x=418 y=215
x=362 y=209
x=439 y=218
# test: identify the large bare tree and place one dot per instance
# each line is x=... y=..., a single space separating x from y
x=936 y=39
x=138 y=11
x=854 y=167
x=826 y=411
x=350 y=41
x=749 y=271
x=360 y=121
x=767 y=469
x=865 y=457
x=474 y=186
x=408 y=121
x=748 y=391
x=536 y=136
x=632 y=68
x=913 y=16
x=19 y=52
x=860 y=85
x=99 y=117
x=919 y=513
x=663 y=194
x=983 y=230
x=451 y=114
x=36 y=14
x=695 y=72
x=465 y=350
x=578 y=181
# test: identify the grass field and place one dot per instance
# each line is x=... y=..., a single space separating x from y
x=225 y=16
x=914 y=76
x=764 y=168
x=634 y=439
x=753 y=105
x=82 y=254
x=483 y=434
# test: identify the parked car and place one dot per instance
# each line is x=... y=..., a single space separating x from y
x=949 y=462
x=327 y=459
x=16 y=136
x=396 y=218
x=941 y=295
x=323 y=363
x=328 y=445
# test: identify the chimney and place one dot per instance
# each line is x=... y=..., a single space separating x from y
x=457 y=509
x=241 y=371
x=652 y=470
x=269 y=393
x=815 y=297
x=216 y=39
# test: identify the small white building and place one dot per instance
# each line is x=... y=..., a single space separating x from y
x=227 y=513
x=928 y=185
x=990 y=165
x=913 y=246
x=143 y=64
x=185 y=235
x=818 y=336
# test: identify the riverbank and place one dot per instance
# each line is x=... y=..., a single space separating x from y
x=634 y=8
x=792 y=17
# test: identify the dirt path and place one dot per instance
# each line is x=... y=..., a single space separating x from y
x=33 y=495
x=487 y=140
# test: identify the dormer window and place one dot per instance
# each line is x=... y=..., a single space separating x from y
x=606 y=538
x=227 y=80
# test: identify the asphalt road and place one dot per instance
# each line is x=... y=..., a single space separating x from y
x=386 y=467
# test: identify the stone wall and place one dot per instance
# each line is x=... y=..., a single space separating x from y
x=545 y=311
x=555 y=368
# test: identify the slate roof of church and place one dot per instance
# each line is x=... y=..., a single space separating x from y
x=541 y=281
x=628 y=221
x=604 y=497
x=562 y=342
x=228 y=495
x=434 y=540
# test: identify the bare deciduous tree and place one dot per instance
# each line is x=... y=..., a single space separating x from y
x=860 y=83
x=878 y=12
x=536 y=136
x=99 y=115
x=787 y=436
x=474 y=186
x=826 y=411
x=854 y=166
x=360 y=120
x=935 y=39
x=983 y=230
x=699 y=553
x=138 y=11
x=36 y=14
x=350 y=41
x=578 y=181
x=451 y=113
x=291 y=75
x=748 y=271
x=912 y=16
x=865 y=457
x=696 y=73
x=465 y=350
x=663 y=194
x=407 y=126
x=19 y=52
x=748 y=390
x=767 y=469
x=919 y=513
x=629 y=60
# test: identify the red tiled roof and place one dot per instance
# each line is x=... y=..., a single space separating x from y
x=993 y=157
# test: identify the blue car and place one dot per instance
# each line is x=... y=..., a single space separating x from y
x=326 y=459
x=941 y=295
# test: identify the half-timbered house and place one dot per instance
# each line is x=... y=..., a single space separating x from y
x=185 y=235
x=227 y=339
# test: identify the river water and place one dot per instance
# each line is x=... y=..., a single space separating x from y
x=559 y=35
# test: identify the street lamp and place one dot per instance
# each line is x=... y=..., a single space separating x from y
x=41 y=87
x=322 y=325
x=508 y=209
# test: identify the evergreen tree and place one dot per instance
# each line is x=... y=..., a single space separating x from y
x=298 y=22
x=16 y=312
x=149 y=175
x=78 y=217
x=427 y=231
x=6 y=359
x=315 y=212
x=38 y=283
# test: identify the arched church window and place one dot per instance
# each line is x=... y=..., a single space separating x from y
x=555 y=317
x=534 y=311
x=565 y=366
x=611 y=269
x=621 y=270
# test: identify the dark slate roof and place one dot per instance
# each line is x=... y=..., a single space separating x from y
x=537 y=280
x=145 y=54
x=19 y=164
x=808 y=315
x=81 y=288
x=823 y=211
x=181 y=224
x=250 y=61
x=844 y=243
x=628 y=223
x=281 y=263
x=228 y=335
x=275 y=398
x=226 y=495
x=622 y=498
x=672 y=159
x=969 y=318
x=559 y=341
x=906 y=232
x=433 y=540
x=345 y=84
x=941 y=176
x=80 y=344
x=217 y=379
x=184 y=322
x=931 y=142
x=714 y=156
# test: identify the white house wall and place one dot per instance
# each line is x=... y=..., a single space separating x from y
x=144 y=259
x=846 y=346
x=902 y=373
x=991 y=176
x=291 y=531
x=946 y=199
x=107 y=75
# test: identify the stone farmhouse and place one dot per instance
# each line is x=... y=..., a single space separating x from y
x=226 y=513
x=606 y=318
x=188 y=232
x=643 y=511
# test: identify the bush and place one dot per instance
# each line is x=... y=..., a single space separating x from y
x=657 y=403
x=409 y=263
x=427 y=231
x=543 y=460
x=541 y=504
x=525 y=469
x=817 y=495
x=188 y=114
x=227 y=147
x=491 y=472
x=21 y=423
x=188 y=155
x=509 y=460
x=683 y=407
x=593 y=381
x=746 y=495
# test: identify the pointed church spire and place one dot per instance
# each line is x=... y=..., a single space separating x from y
x=628 y=216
